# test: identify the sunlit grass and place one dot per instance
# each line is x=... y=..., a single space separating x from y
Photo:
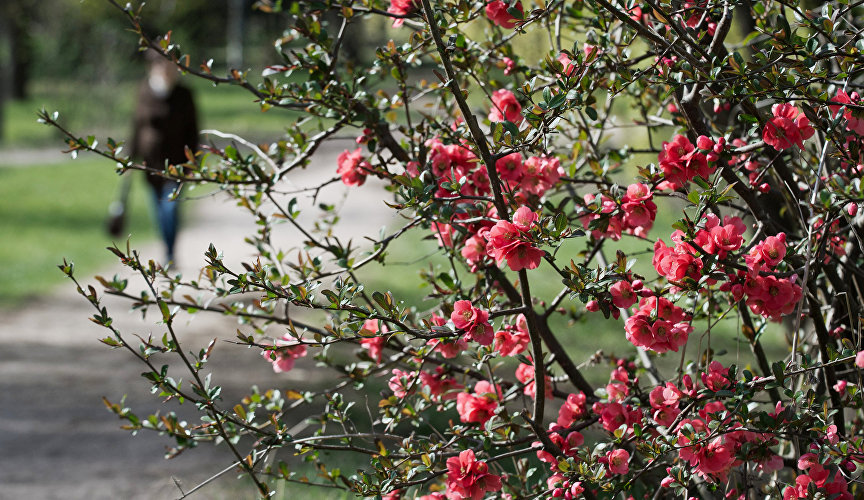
x=55 y=211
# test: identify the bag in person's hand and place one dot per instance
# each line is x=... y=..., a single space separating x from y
x=116 y=222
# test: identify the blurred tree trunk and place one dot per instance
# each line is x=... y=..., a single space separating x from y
x=234 y=33
x=17 y=15
x=4 y=33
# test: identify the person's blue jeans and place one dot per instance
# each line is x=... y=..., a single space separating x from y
x=167 y=216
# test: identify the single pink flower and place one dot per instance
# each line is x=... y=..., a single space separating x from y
x=283 y=357
x=352 y=167
x=402 y=8
x=479 y=406
x=469 y=478
x=618 y=461
x=496 y=11
x=505 y=106
x=373 y=344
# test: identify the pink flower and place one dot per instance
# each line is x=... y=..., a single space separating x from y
x=525 y=374
x=681 y=162
x=511 y=241
x=401 y=8
x=715 y=459
x=480 y=406
x=433 y=496
x=352 y=167
x=565 y=61
x=505 y=107
x=283 y=357
x=572 y=410
x=440 y=385
x=496 y=11
x=717 y=377
x=474 y=321
x=667 y=395
x=373 y=344
x=622 y=294
x=618 y=461
x=787 y=127
x=512 y=341
x=509 y=66
x=393 y=495
x=853 y=123
x=859 y=359
x=401 y=383
x=540 y=173
x=840 y=386
x=469 y=478
x=510 y=167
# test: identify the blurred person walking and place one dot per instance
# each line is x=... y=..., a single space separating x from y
x=165 y=124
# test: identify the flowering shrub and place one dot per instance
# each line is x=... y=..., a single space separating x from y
x=722 y=172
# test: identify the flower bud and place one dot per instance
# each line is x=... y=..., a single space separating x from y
x=704 y=142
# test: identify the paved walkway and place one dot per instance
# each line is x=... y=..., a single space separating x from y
x=57 y=440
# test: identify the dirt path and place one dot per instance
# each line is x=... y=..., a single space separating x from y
x=57 y=440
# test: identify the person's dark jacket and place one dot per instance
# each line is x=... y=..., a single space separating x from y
x=163 y=127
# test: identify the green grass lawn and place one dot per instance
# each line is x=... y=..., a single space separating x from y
x=55 y=211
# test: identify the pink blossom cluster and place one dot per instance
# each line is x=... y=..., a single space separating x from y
x=619 y=384
x=479 y=406
x=564 y=488
x=505 y=241
x=682 y=261
x=352 y=167
x=474 y=321
x=513 y=339
x=525 y=375
x=442 y=387
x=452 y=162
x=573 y=409
x=567 y=441
x=681 y=161
x=836 y=487
x=711 y=450
x=634 y=214
x=664 y=404
x=469 y=478
x=282 y=358
x=854 y=118
x=448 y=348
x=658 y=325
x=613 y=415
x=512 y=241
x=787 y=127
x=535 y=175
x=496 y=11
x=766 y=294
